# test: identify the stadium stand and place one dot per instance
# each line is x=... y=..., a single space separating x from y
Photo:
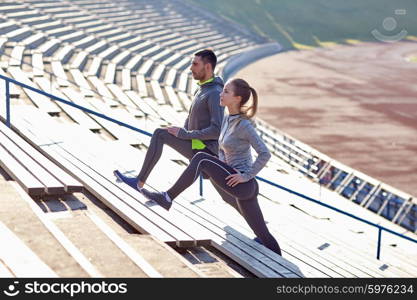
x=129 y=61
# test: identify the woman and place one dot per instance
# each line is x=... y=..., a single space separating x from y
x=233 y=171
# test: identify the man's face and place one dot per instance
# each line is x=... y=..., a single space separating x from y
x=198 y=68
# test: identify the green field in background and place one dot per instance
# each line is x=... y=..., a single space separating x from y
x=312 y=23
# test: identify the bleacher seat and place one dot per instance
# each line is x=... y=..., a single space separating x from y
x=34 y=172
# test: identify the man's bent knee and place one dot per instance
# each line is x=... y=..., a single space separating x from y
x=160 y=133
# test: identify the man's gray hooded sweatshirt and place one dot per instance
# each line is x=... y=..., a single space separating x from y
x=205 y=116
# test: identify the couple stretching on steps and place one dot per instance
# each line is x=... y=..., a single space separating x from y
x=218 y=147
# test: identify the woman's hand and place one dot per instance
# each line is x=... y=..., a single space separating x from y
x=234 y=179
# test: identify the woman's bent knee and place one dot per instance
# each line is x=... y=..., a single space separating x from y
x=201 y=155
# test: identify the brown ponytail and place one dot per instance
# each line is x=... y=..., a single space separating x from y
x=241 y=88
x=251 y=111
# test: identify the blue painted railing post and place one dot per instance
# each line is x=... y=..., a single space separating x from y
x=201 y=185
x=7 y=103
x=378 y=251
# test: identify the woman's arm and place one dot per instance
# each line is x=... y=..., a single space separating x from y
x=250 y=134
x=221 y=155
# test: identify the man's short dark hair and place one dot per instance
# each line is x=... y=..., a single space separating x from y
x=207 y=56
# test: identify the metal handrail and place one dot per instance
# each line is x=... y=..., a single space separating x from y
x=380 y=228
x=53 y=97
x=9 y=80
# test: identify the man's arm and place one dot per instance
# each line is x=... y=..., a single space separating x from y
x=216 y=116
x=186 y=124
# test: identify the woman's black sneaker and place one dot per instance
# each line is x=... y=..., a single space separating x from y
x=161 y=198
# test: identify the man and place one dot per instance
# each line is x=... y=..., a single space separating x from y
x=202 y=126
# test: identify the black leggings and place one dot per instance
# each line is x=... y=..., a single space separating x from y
x=161 y=137
x=244 y=194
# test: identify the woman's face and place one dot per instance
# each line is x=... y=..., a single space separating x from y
x=227 y=96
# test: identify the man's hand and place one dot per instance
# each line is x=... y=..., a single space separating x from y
x=173 y=130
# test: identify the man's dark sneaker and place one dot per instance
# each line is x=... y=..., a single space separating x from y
x=161 y=198
x=131 y=181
